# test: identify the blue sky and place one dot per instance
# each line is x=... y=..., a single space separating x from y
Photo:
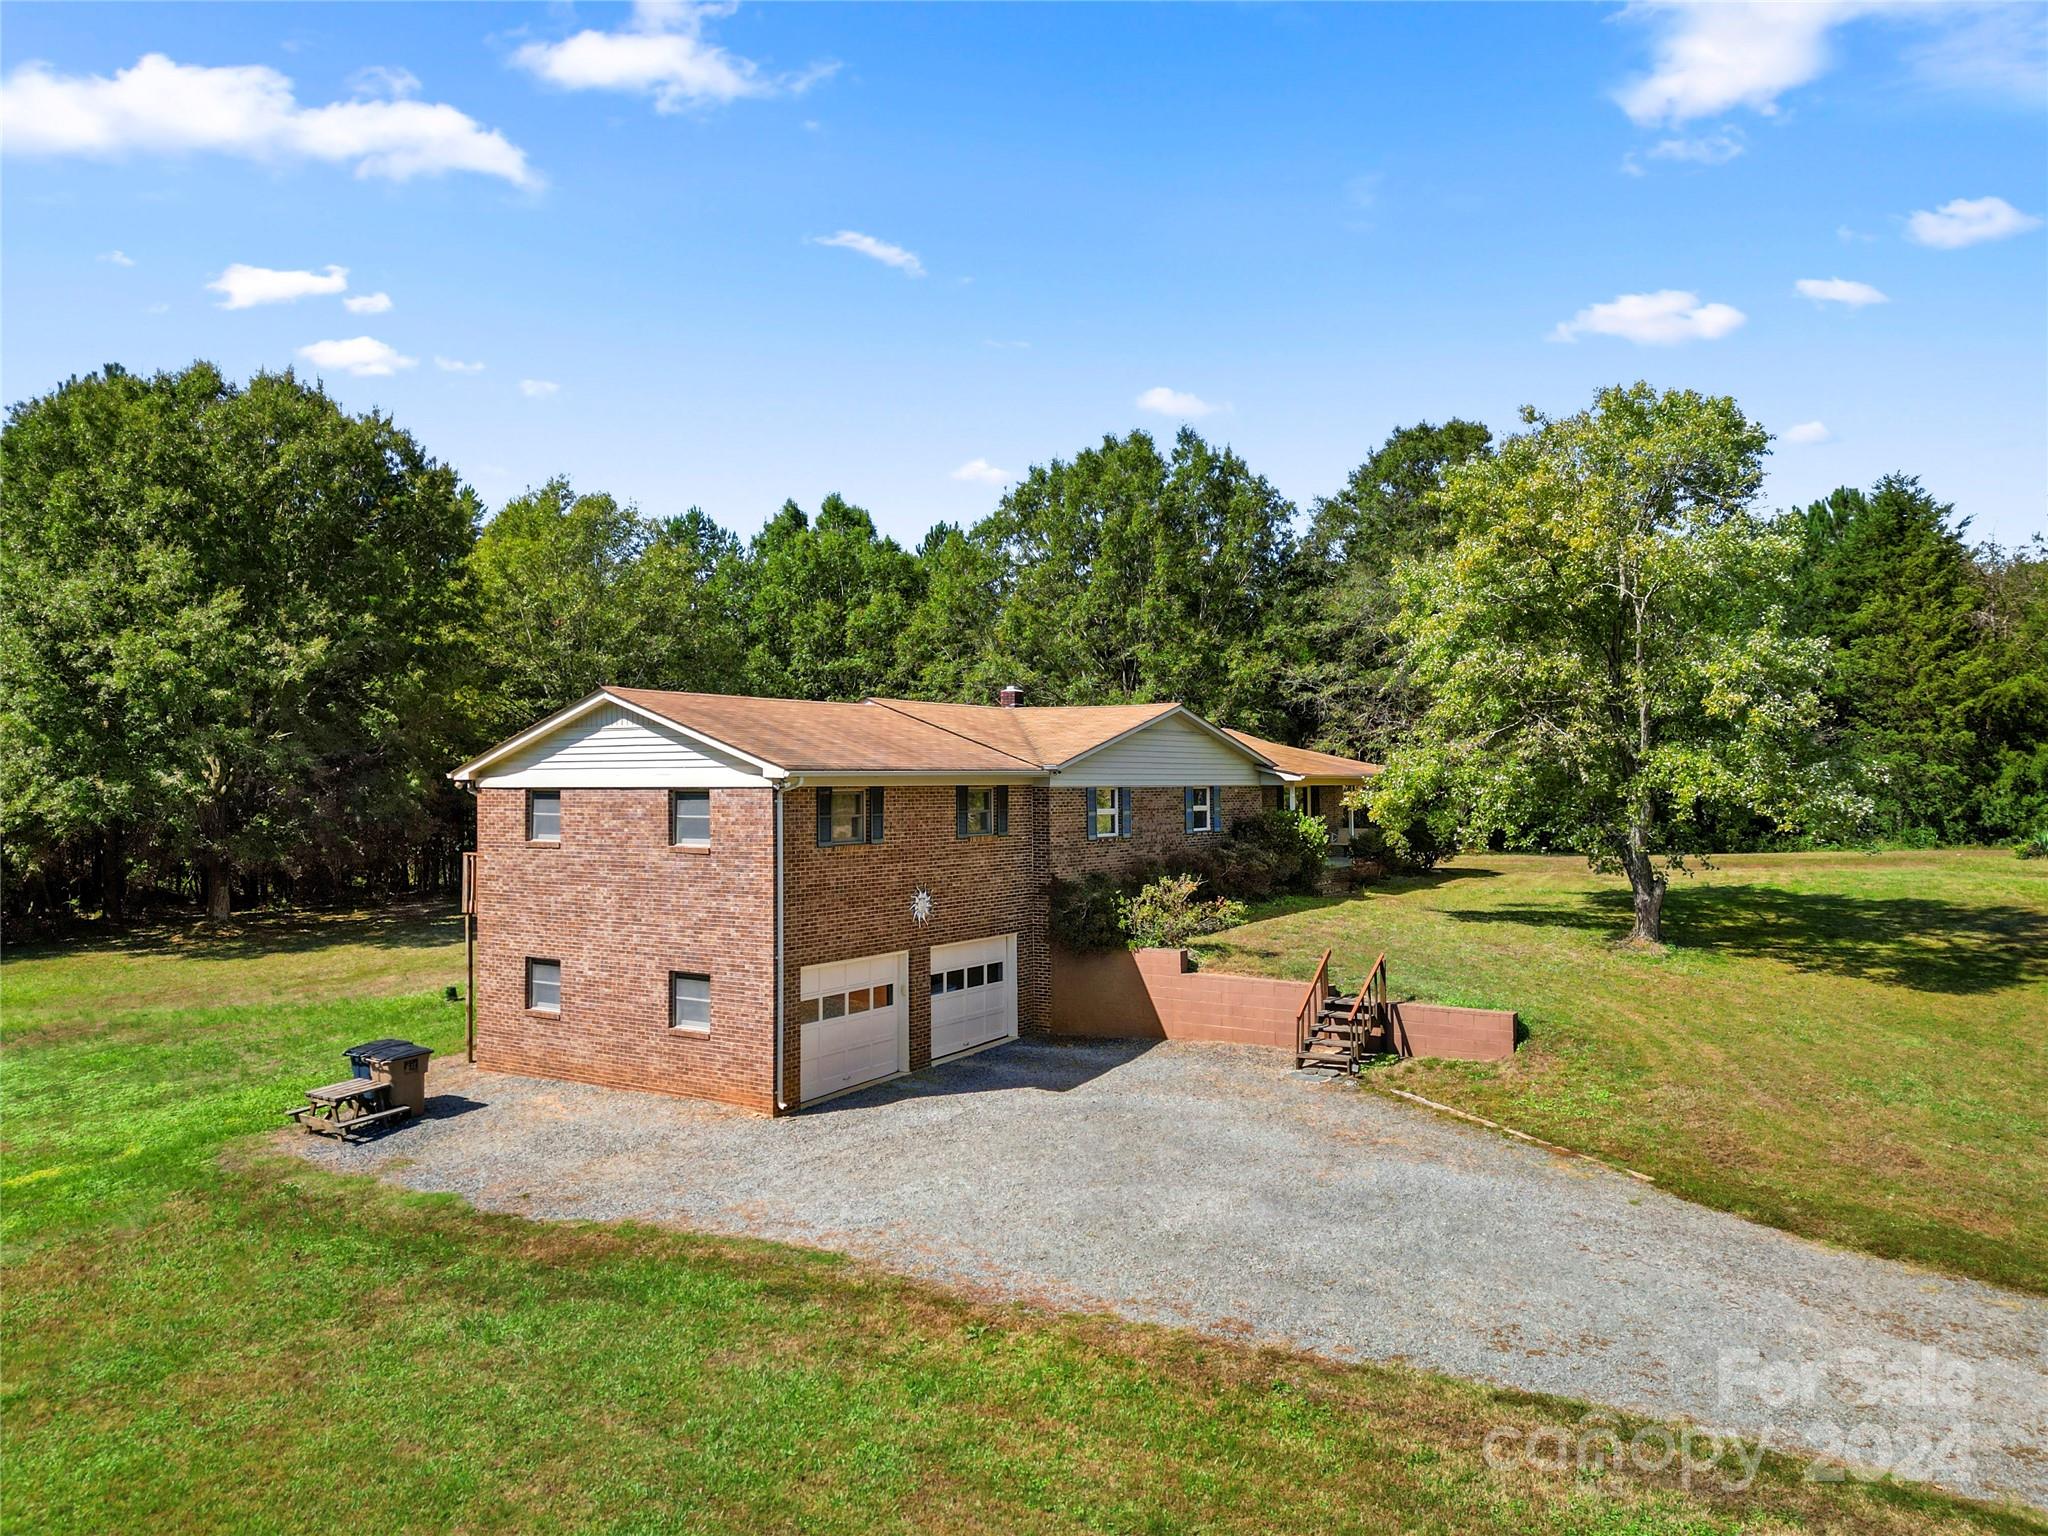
x=1298 y=227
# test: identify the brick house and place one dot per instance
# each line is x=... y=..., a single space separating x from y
x=771 y=901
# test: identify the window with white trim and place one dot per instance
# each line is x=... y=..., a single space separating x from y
x=544 y=986
x=543 y=815
x=979 y=812
x=1103 y=813
x=689 y=1002
x=1202 y=809
x=689 y=818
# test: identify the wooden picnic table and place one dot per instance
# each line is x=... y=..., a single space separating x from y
x=342 y=1109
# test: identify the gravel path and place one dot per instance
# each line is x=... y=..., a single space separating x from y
x=1198 y=1185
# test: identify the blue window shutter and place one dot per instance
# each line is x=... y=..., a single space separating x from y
x=1088 y=812
x=1187 y=810
x=824 y=818
x=1123 y=813
x=1002 y=810
x=959 y=810
x=1215 y=807
x=874 y=815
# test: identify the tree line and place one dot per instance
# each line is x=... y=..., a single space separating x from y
x=245 y=633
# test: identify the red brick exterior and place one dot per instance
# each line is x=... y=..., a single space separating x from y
x=851 y=900
x=1159 y=832
x=620 y=909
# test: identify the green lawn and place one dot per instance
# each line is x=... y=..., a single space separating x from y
x=1850 y=1046
x=201 y=1333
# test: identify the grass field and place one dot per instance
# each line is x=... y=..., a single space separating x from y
x=203 y=1334
x=1849 y=1046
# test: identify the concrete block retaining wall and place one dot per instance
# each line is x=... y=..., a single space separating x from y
x=1155 y=994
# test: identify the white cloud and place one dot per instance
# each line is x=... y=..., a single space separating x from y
x=162 y=107
x=983 y=473
x=1162 y=401
x=889 y=255
x=456 y=365
x=363 y=356
x=1710 y=57
x=538 y=389
x=244 y=287
x=1968 y=221
x=117 y=258
x=386 y=81
x=1007 y=346
x=1716 y=148
x=1840 y=290
x=1660 y=319
x=1807 y=432
x=1988 y=50
x=367 y=303
x=662 y=53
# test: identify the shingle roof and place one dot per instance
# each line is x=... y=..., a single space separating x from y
x=1048 y=734
x=802 y=735
x=1303 y=762
x=899 y=735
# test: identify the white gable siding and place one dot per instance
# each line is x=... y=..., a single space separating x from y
x=1169 y=752
x=613 y=748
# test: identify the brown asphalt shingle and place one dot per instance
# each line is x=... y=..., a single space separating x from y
x=799 y=734
x=1310 y=765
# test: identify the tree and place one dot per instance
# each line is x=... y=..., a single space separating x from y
x=231 y=619
x=826 y=604
x=1605 y=648
x=577 y=592
x=1348 y=687
x=1125 y=575
x=1928 y=690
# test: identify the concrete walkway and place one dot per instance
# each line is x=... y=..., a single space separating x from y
x=1207 y=1187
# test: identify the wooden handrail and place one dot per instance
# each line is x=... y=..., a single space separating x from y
x=1312 y=1004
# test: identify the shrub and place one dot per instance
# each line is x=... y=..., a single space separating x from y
x=1168 y=913
x=1087 y=913
x=1269 y=853
x=2035 y=847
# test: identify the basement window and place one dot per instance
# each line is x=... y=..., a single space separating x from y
x=544 y=986
x=689 y=1002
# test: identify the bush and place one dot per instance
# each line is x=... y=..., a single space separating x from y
x=1168 y=913
x=2035 y=847
x=1267 y=854
x=1087 y=913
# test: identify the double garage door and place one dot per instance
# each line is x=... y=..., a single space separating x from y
x=854 y=1016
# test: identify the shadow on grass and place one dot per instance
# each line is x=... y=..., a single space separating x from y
x=1920 y=943
x=250 y=934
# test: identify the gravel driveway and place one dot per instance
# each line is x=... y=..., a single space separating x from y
x=1203 y=1186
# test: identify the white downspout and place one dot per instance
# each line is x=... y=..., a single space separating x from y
x=780 y=1103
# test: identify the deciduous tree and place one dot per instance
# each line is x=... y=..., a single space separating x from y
x=1605 y=647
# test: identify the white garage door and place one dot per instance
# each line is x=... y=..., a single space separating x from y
x=853 y=1023
x=974 y=994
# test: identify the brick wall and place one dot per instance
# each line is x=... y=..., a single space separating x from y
x=620 y=909
x=1152 y=994
x=1159 y=832
x=843 y=902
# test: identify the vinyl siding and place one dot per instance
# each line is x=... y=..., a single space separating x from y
x=612 y=748
x=1168 y=753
